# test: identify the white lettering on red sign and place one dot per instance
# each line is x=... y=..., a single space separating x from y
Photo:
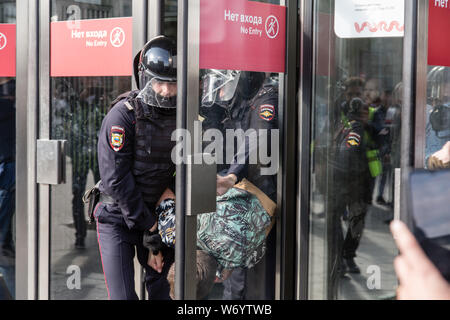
x=441 y=3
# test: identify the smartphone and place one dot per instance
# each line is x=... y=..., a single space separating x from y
x=429 y=202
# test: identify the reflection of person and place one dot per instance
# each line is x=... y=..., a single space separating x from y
x=419 y=278
x=382 y=135
x=373 y=92
x=438 y=115
x=440 y=159
x=134 y=151
x=7 y=164
x=356 y=165
x=87 y=115
x=248 y=103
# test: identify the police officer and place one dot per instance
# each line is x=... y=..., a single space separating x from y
x=244 y=100
x=354 y=176
x=134 y=152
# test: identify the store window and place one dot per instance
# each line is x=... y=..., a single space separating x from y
x=356 y=111
x=81 y=92
x=7 y=148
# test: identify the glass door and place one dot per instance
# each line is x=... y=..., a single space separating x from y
x=355 y=133
x=86 y=56
x=79 y=100
x=231 y=116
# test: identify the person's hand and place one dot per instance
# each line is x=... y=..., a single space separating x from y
x=442 y=157
x=225 y=183
x=167 y=194
x=153 y=229
x=156 y=261
x=419 y=278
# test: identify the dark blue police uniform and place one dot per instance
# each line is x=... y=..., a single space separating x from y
x=122 y=221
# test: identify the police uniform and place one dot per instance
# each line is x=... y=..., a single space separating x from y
x=134 y=154
x=260 y=113
x=135 y=166
x=355 y=181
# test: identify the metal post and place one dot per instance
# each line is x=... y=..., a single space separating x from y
x=44 y=133
x=304 y=146
x=409 y=99
x=187 y=114
x=26 y=135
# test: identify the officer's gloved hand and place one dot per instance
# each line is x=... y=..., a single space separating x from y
x=153 y=242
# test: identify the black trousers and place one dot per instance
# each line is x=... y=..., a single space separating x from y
x=118 y=246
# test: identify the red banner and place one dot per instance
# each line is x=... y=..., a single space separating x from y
x=7 y=50
x=438 y=36
x=100 y=47
x=242 y=35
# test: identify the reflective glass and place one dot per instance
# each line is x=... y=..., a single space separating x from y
x=355 y=148
x=437 y=132
x=7 y=160
x=78 y=106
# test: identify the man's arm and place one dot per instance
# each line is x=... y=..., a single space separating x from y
x=115 y=157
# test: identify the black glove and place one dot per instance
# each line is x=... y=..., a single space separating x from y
x=153 y=242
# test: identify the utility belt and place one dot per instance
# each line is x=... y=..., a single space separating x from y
x=93 y=197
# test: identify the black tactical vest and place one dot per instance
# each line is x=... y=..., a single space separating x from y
x=153 y=168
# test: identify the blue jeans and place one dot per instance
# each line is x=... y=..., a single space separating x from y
x=7 y=203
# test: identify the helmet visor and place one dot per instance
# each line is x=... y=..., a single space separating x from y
x=159 y=93
x=219 y=86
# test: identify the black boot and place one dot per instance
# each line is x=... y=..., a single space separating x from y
x=79 y=243
x=351 y=266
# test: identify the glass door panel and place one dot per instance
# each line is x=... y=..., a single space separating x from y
x=78 y=106
x=240 y=119
x=357 y=94
x=7 y=149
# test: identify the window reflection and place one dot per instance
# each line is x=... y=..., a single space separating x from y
x=7 y=168
x=78 y=106
x=355 y=148
x=437 y=131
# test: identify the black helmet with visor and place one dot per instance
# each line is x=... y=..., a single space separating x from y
x=158 y=68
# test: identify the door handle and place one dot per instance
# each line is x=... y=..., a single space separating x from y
x=51 y=161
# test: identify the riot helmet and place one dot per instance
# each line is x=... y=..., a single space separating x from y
x=157 y=73
x=357 y=110
x=222 y=86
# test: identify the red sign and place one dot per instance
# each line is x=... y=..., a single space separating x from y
x=100 y=47
x=438 y=37
x=242 y=35
x=7 y=50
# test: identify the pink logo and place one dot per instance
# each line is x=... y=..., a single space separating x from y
x=3 y=41
x=272 y=27
x=382 y=26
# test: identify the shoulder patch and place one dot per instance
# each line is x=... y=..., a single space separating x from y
x=353 y=140
x=267 y=112
x=117 y=138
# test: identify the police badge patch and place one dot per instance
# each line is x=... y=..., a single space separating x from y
x=267 y=112
x=117 y=138
x=353 y=140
